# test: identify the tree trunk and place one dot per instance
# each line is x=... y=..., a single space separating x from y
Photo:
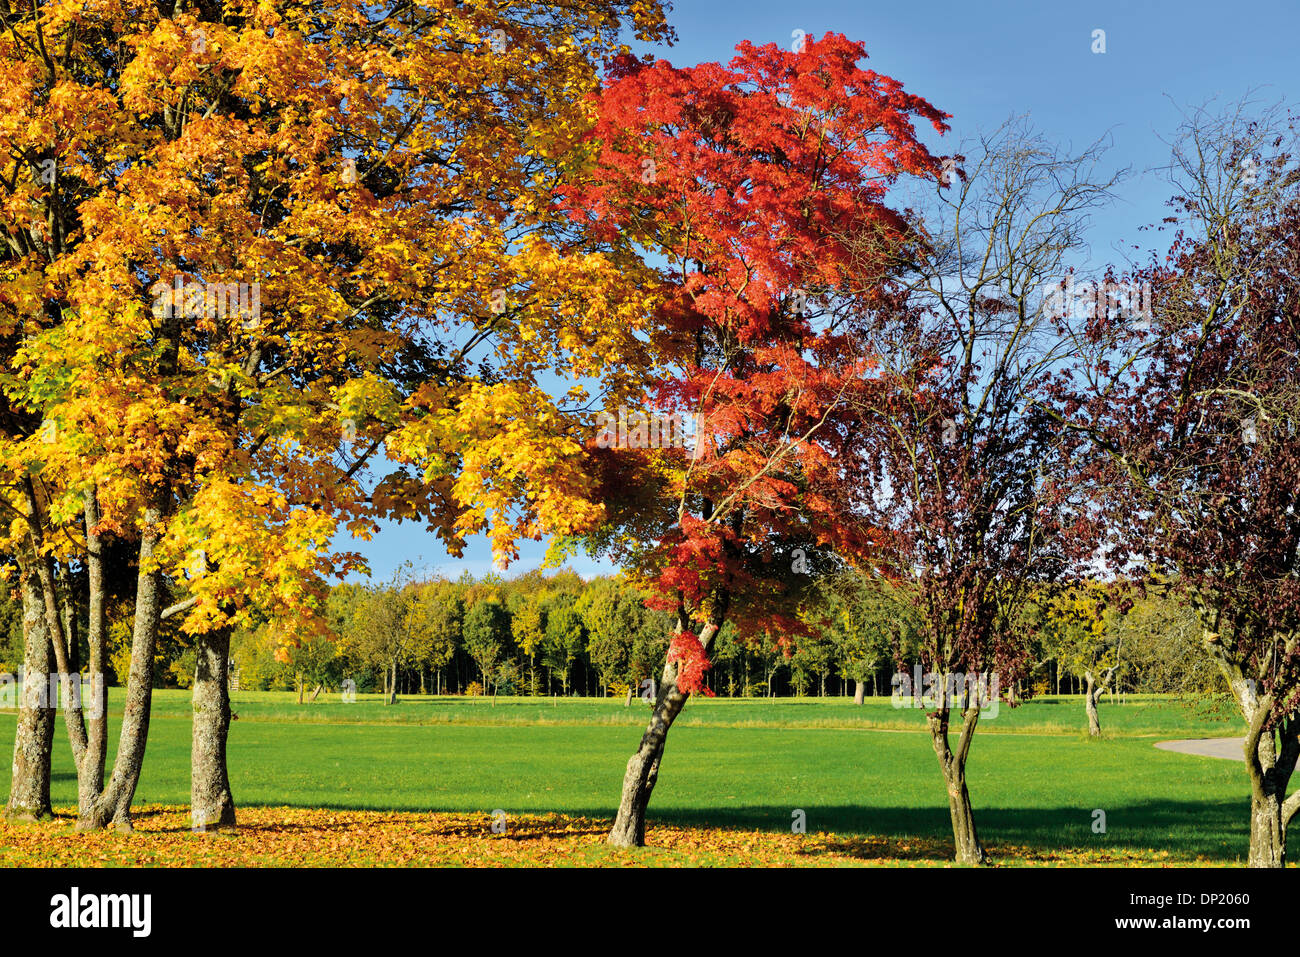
x=1270 y=770
x=300 y=687
x=643 y=767
x=1269 y=767
x=29 y=789
x=114 y=804
x=392 y=687
x=953 y=765
x=69 y=679
x=1090 y=695
x=859 y=691
x=60 y=617
x=628 y=702
x=90 y=777
x=212 y=806
x=1267 y=831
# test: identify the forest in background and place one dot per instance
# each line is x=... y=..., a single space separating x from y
x=558 y=634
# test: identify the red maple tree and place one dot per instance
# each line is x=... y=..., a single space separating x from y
x=755 y=184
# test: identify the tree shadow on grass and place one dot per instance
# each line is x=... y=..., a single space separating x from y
x=1173 y=831
x=1185 y=830
x=1182 y=830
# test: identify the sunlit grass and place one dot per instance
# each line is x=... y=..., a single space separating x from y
x=746 y=765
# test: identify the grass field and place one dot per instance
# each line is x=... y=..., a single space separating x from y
x=865 y=777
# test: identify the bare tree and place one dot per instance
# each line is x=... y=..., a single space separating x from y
x=971 y=481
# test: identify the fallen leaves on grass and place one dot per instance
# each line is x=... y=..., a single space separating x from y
x=303 y=837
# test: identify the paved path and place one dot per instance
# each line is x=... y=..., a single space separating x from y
x=1229 y=748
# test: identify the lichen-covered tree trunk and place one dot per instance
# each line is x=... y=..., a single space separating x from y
x=1267 y=832
x=1268 y=766
x=953 y=765
x=212 y=806
x=1270 y=770
x=29 y=789
x=114 y=804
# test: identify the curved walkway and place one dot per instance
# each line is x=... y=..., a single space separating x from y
x=1228 y=748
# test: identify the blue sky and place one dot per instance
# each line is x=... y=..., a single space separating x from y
x=984 y=62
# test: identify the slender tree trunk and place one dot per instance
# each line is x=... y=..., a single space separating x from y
x=628 y=702
x=114 y=804
x=212 y=806
x=90 y=778
x=1090 y=695
x=60 y=642
x=69 y=678
x=392 y=692
x=953 y=765
x=859 y=691
x=643 y=767
x=29 y=789
x=300 y=687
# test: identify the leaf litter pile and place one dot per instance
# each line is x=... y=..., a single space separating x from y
x=303 y=837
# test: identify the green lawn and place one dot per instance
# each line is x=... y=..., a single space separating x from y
x=1147 y=714
x=1034 y=777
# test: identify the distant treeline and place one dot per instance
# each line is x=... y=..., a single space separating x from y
x=559 y=634
x=563 y=635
